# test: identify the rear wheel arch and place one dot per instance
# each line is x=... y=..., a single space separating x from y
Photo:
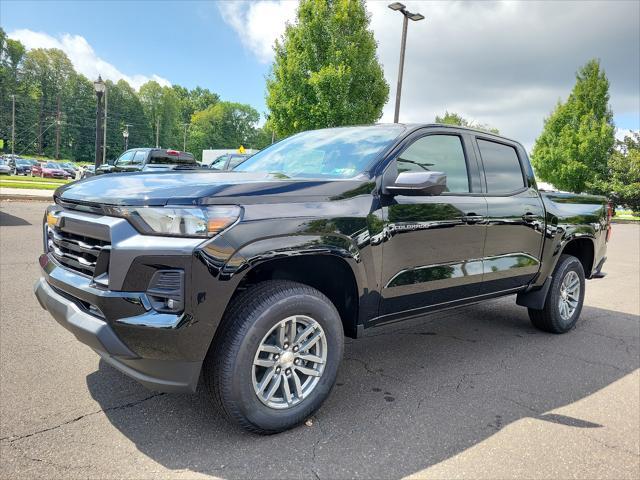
x=583 y=249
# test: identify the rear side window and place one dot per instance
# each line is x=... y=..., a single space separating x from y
x=438 y=153
x=126 y=158
x=501 y=167
x=139 y=157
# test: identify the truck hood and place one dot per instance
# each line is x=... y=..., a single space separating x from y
x=203 y=187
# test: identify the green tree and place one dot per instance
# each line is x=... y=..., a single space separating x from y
x=452 y=118
x=624 y=172
x=326 y=72
x=46 y=73
x=223 y=125
x=11 y=55
x=573 y=149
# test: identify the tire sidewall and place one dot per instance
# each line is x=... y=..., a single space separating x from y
x=568 y=265
x=262 y=321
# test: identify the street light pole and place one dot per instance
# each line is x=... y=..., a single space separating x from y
x=397 y=6
x=13 y=126
x=99 y=87
x=104 y=128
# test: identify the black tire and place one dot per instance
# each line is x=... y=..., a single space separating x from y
x=549 y=319
x=227 y=370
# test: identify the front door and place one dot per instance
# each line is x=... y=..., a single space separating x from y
x=434 y=247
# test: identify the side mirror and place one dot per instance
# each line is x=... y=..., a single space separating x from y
x=418 y=183
x=111 y=161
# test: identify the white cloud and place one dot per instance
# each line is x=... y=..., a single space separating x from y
x=505 y=64
x=82 y=56
x=258 y=23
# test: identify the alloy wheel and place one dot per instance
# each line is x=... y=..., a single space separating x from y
x=289 y=362
x=569 y=295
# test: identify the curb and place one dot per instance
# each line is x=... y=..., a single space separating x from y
x=12 y=197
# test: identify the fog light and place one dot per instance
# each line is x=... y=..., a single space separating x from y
x=166 y=291
x=170 y=303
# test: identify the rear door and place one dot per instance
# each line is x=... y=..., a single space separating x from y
x=515 y=225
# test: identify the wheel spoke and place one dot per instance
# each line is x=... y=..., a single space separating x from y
x=287 y=391
x=307 y=331
x=292 y=330
x=270 y=348
x=264 y=362
x=311 y=342
x=310 y=358
x=266 y=379
x=274 y=388
x=307 y=371
x=297 y=384
x=282 y=331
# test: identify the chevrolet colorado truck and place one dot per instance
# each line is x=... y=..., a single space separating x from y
x=247 y=281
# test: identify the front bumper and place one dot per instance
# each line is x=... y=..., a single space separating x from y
x=155 y=374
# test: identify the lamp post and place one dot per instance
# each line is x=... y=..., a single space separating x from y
x=125 y=135
x=100 y=88
x=399 y=7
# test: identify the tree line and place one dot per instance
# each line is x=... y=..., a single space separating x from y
x=55 y=111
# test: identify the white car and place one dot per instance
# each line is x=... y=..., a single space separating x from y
x=5 y=169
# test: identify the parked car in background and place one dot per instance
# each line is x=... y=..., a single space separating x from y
x=87 y=171
x=150 y=160
x=251 y=279
x=5 y=168
x=20 y=166
x=70 y=168
x=228 y=161
x=50 y=170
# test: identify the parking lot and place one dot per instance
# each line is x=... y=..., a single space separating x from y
x=468 y=393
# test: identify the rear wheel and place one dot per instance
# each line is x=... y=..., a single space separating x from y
x=276 y=356
x=563 y=304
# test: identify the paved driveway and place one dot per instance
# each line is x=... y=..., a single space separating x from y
x=474 y=392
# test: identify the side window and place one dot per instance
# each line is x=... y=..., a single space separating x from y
x=438 y=153
x=218 y=164
x=139 y=157
x=235 y=161
x=501 y=167
x=125 y=158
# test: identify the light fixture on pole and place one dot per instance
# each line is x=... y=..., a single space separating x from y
x=399 y=7
x=100 y=87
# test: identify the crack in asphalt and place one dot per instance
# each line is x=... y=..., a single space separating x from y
x=9 y=440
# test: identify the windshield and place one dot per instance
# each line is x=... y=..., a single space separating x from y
x=332 y=152
x=52 y=165
x=21 y=162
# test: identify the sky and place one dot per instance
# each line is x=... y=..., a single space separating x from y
x=505 y=64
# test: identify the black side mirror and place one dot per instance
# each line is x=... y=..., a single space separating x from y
x=418 y=183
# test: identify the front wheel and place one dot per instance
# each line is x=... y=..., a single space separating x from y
x=275 y=357
x=564 y=300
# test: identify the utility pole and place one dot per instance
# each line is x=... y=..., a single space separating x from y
x=13 y=125
x=399 y=7
x=158 y=132
x=125 y=134
x=104 y=129
x=58 y=130
x=184 y=139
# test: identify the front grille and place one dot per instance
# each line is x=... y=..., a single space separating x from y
x=76 y=252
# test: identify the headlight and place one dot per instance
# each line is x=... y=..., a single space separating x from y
x=180 y=221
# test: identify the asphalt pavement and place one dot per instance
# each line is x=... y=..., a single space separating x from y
x=469 y=393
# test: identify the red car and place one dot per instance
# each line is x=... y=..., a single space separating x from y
x=49 y=170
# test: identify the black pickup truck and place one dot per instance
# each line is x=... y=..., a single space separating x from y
x=149 y=160
x=248 y=280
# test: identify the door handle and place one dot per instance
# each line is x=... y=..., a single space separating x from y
x=529 y=217
x=472 y=218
